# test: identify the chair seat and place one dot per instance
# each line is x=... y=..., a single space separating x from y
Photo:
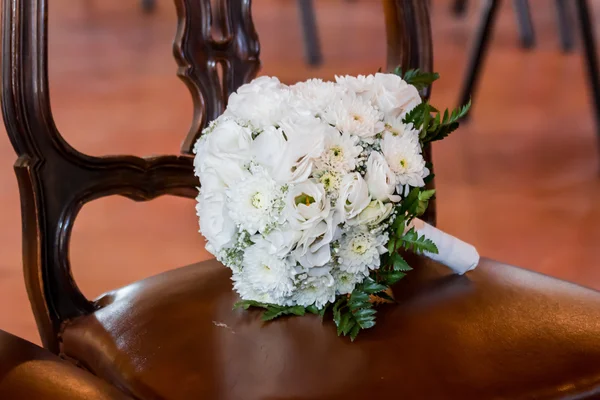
x=497 y=332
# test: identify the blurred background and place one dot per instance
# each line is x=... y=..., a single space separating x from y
x=519 y=180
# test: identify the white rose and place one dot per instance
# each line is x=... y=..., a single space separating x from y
x=381 y=180
x=306 y=205
x=354 y=196
x=215 y=224
x=263 y=102
x=268 y=147
x=313 y=249
x=260 y=84
x=224 y=150
x=304 y=141
x=280 y=241
x=393 y=95
x=375 y=213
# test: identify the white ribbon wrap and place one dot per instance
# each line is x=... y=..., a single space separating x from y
x=457 y=255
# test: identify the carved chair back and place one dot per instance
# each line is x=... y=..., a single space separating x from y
x=55 y=180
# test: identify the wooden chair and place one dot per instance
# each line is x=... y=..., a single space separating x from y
x=499 y=332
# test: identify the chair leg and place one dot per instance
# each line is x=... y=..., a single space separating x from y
x=479 y=50
x=526 y=30
x=459 y=7
x=591 y=57
x=148 y=5
x=564 y=25
x=312 y=46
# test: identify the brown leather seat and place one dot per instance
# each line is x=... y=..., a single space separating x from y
x=498 y=332
x=29 y=372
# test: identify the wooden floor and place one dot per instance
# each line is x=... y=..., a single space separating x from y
x=520 y=181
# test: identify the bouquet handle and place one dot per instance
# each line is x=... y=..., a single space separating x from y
x=454 y=253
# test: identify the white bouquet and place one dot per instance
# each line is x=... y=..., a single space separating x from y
x=308 y=192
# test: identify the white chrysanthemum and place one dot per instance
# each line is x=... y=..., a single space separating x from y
x=255 y=202
x=360 y=250
x=266 y=274
x=396 y=127
x=403 y=155
x=331 y=181
x=345 y=282
x=340 y=152
x=317 y=290
x=355 y=116
x=358 y=84
x=247 y=291
x=314 y=95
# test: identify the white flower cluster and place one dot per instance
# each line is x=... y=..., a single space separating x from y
x=298 y=183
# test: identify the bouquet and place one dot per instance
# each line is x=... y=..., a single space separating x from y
x=309 y=192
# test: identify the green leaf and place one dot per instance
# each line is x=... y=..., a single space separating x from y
x=385 y=296
x=354 y=332
x=390 y=277
x=278 y=311
x=440 y=129
x=410 y=203
x=245 y=304
x=426 y=194
x=391 y=246
x=343 y=322
x=412 y=241
x=369 y=286
x=337 y=307
x=418 y=78
x=417 y=115
x=358 y=300
x=364 y=313
x=313 y=310
x=399 y=263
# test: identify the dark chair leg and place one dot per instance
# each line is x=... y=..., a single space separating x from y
x=459 y=7
x=312 y=46
x=478 y=52
x=148 y=5
x=526 y=31
x=591 y=57
x=564 y=25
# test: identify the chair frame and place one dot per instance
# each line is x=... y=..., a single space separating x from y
x=55 y=180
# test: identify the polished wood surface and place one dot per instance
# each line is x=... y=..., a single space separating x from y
x=520 y=181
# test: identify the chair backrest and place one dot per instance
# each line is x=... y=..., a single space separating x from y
x=55 y=180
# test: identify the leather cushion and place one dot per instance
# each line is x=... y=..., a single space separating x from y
x=30 y=372
x=498 y=332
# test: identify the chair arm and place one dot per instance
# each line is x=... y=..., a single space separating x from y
x=28 y=371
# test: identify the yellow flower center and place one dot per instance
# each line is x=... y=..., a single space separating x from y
x=258 y=201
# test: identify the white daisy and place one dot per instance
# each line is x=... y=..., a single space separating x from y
x=315 y=290
x=267 y=273
x=255 y=202
x=355 y=116
x=403 y=155
x=346 y=282
x=314 y=95
x=360 y=250
x=360 y=84
x=340 y=152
